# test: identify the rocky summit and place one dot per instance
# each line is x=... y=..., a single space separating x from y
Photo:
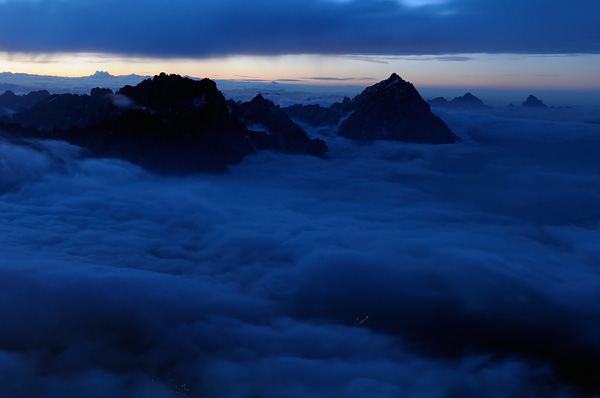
x=389 y=110
x=533 y=102
x=394 y=110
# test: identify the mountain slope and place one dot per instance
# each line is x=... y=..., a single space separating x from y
x=282 y=134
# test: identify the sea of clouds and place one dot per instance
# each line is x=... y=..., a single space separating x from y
x=387 y=270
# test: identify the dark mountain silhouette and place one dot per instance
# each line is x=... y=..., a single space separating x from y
x=389 y=110
x=317 y=115
x=467 y=101
x=393 y=110
x=162 y=145
x=11 y=103
x=533 y=102
x=175 y=125
x=69 y=110
x=282 y=134
x=439 y=102
x=167 y=124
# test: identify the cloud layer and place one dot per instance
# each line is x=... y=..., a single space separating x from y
x=472 y=266
x=266 y=27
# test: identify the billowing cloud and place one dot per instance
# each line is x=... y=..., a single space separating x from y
x=265 y=27
x=388 y=270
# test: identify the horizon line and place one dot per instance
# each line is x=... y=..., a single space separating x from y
x=320 y=81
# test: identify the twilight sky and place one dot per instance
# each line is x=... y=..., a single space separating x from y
x=359 y=40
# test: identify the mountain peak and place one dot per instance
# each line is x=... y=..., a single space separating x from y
x=467 y=101
x=392 y=87
x=394 y=110
x=101 y=73
x=533 y=102
x=393 y=80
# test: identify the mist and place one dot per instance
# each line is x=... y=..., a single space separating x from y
x=388 y=269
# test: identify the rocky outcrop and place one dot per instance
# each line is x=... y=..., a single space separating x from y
x=275 y=128
x=393 y=110
x=533 y=102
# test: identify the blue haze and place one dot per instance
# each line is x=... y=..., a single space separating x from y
x=115 y=282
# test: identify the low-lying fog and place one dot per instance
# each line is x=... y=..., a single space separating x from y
x=388 y=270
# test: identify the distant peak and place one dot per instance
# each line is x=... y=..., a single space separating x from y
x=466 y=101
x=101 y=73
x=532 y=101
x=261 y=101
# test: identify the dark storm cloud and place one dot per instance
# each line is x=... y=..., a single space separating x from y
x=208 y=28
x=473 y=266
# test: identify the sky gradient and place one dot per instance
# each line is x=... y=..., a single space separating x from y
x=384 y=269
x=488 y=43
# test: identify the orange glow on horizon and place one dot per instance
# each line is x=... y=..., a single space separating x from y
x=503 y=71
